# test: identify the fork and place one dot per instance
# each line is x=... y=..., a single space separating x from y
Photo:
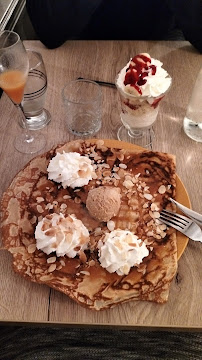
x=182 y=224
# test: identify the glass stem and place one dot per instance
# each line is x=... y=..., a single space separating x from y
x=29 y=136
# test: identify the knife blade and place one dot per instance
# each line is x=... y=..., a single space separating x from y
x=192 y=214
x=103 y=83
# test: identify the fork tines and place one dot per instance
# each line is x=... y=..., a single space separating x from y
x=170 y=218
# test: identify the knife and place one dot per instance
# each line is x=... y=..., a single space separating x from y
x=192 y=214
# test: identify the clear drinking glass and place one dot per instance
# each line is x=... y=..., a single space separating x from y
x=35 y=91
x=138 y=114
x=14 y=67
x=193 y=117
x=82 y=101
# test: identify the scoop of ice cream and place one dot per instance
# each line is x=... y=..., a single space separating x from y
x=70 y=169
x=120 y=250
x=103 y=202
x=144 y=76
x=60 y=234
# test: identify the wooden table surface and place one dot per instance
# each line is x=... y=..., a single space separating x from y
x=23 y=301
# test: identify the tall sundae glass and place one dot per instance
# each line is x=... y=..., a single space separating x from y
x=141 y=84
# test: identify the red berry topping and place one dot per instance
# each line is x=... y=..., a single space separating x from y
x=131 y=77
x=138 y=70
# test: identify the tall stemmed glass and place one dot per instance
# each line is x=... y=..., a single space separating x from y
x=14 y=67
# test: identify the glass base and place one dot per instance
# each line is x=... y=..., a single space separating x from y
x=29 y=144
x=38 y=122
x=193 y=129
x=141 y=138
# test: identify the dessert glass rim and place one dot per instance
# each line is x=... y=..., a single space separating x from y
x=142 y=97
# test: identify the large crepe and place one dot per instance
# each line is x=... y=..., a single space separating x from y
x=31 y=196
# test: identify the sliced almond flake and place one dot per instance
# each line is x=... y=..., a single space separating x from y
x=158 y=237
x=50 y=232
x=94 y=176
x=145 y=205
x=89 y=302
x=154 y=207
x=121 y=173
x=158 y=230
x=38 y=271
x=158 y=222
x=163 y=227
x=31 y=248
x=116 y=176
x=116 y=182
x=81 y=299
x=123 y=166
x=91 y=263
x=115 y=168
x=39 y=199
x=39 y=208
x=33 y=220
x=49 y=206
x=128 y=184
x=148 y=196
x=66 y=197
x=156 y=214
x=59 y=267
x=120 y=157
x=92 y=155
x=162 y=189
x=52 y=268
x=128 y=177
x=111 y=225
x=51 y=260
x=62 y=262
x=63 y=206
x=106 y=166
x=134 y=180
x=85 y=272
x=150 y=233
x=98 y=231
x=125 y=286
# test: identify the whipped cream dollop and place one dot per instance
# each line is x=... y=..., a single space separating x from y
x=60 y=234
x=120 y=250
x=70 y=169
x=144 y=76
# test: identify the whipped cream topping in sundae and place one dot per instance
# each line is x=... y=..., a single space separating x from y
x=120 y=250
x=70 y=169
x=60 y=234
x=144 y=76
